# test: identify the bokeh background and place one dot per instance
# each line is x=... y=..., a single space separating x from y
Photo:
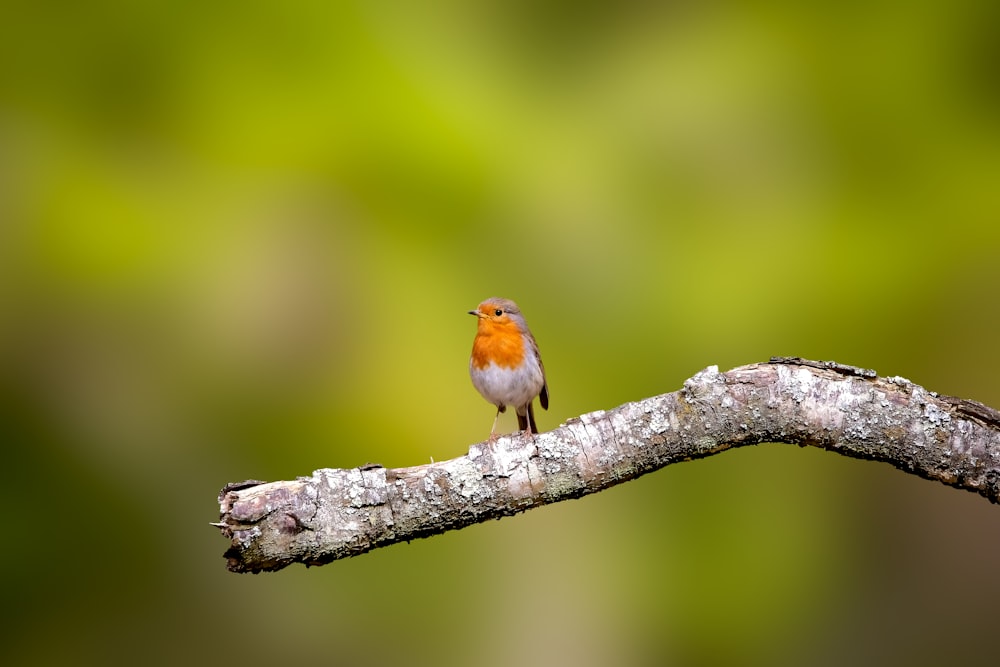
x=238 y=240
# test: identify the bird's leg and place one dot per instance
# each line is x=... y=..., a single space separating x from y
x=526 y=421
x=532 y=426
x=493 y=431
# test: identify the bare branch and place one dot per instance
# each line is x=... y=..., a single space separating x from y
x=337 y=513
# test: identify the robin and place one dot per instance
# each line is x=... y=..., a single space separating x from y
x=505 y=365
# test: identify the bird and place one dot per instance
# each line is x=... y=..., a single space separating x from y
x=505 y=365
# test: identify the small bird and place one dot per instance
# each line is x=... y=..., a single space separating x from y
x=505 y=365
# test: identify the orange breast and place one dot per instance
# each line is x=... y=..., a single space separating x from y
x=500 y=344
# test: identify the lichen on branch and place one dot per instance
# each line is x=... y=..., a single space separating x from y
x=335 y=513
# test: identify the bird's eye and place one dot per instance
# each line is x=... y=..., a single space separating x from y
x=498 y=312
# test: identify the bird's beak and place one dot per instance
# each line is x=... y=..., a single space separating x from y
x=476 y=313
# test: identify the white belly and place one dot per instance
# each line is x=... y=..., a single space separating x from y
x=509 y=386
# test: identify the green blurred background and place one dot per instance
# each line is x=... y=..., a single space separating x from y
x=238 y=240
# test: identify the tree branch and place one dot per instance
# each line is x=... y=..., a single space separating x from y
x=337 y=513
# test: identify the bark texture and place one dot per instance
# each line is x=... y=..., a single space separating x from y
x=337 y=513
